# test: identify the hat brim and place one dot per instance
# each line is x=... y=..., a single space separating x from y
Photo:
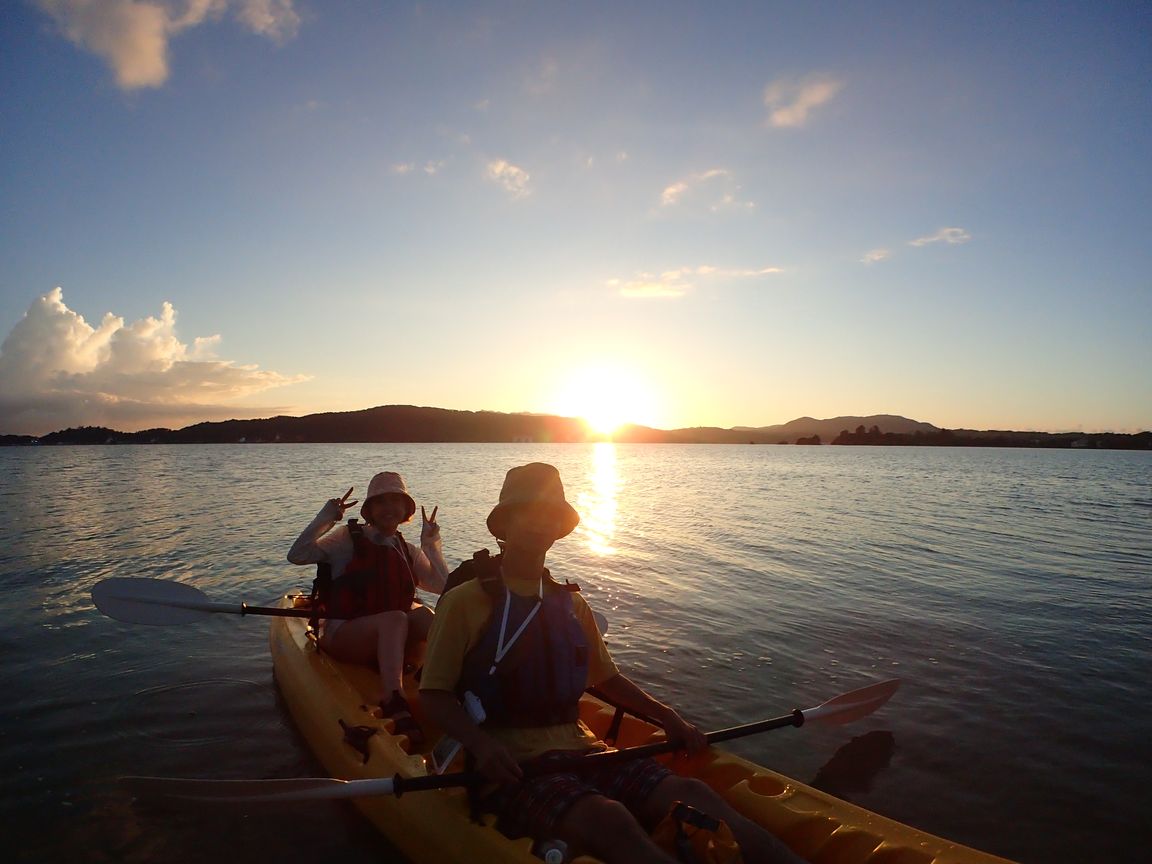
x=407 y=500
x=498 y=518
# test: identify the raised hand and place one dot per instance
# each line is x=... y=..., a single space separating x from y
x=335 y=507
x=429 y=529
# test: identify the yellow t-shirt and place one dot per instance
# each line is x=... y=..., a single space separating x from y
x=461 y=616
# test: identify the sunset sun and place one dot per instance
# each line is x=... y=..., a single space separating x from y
x=606 y=398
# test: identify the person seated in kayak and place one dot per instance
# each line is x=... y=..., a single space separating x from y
x=528 y=650
x=371 y=614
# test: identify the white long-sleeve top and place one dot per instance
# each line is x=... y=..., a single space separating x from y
x=324 y=540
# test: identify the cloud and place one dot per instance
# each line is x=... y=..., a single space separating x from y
x=431 y=167
x=713 y=190
x=56 y=370
x=132 y=36
x=542 y=79
x=875 y=256
x=951 y=236
x=512 y=177
x=789 y=101
x=275 y=19
x=677 y=283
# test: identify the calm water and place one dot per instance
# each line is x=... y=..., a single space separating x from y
x=1009 y=589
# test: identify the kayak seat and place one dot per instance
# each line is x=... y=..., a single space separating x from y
x=613 y=732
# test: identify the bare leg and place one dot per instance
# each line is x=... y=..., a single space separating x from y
x=419 y=623
x=604 y=828
x=378 y=638
x=757 y=845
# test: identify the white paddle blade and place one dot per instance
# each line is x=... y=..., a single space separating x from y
x=150 y=601
x=601 y=621
x=254 y=791
x=849 y=707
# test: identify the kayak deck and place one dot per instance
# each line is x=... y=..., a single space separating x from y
x=326 y=698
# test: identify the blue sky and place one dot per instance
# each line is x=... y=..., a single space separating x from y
x=673 y=213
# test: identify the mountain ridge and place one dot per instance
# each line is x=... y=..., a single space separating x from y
x=421 y=424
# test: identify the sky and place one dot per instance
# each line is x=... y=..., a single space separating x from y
x=671 y=213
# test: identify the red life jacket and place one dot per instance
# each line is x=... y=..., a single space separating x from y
x=377 y=579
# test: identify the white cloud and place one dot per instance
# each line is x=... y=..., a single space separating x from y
x=876 y=255
x=56 y=370
x=132 y=36
x=542 y=79
x=513 y=178
x=678 y=282
x=713 y=190
x=275 y=19
x=672 y=194
x=951 y=236
x=646 y=285
x=789 y=101
x=431 y=167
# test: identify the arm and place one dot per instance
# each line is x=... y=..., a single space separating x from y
x=431 y=568
x=492 y=758
x=460 y=616
x=306 y=549
x=620 y=689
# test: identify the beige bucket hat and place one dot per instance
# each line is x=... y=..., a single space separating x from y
x=534 y=485
x=387 y=483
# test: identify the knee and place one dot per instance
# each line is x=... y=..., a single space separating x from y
x=594 y=817
x=391 y=620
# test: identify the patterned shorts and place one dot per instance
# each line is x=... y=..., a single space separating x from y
x=535 y=806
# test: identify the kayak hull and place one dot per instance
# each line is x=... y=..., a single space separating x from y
x=326 y=697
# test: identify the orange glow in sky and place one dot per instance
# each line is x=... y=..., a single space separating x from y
x=607 y=396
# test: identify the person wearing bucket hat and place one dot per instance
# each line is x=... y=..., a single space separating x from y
x=367 y=576
x=525 y=709
x=536 y=486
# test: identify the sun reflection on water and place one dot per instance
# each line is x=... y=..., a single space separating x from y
x=597 y=506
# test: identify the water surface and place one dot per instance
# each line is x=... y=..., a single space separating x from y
x=1008 y=589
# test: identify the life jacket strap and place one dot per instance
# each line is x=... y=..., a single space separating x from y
x=318 y=599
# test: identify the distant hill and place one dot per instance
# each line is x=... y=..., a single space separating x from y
x=384 y=424
x=409 y=423
x=806 y=427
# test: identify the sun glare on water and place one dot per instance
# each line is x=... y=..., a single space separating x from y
x=606 y=398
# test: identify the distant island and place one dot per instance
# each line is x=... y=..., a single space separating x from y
x=411 y=424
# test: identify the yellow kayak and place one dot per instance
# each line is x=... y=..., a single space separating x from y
x=332 y=706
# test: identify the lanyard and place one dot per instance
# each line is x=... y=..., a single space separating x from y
x=501 y=648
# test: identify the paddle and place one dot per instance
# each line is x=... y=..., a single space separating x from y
x=160 y=601
x=836 y=711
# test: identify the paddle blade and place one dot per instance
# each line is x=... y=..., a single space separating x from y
x=601 y=621
x=149 y=601
x=849 y=707
x=254 y=791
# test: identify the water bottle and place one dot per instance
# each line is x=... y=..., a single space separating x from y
x=551 y=851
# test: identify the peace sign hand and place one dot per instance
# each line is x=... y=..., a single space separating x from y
x=429 y=529
x=335 y=507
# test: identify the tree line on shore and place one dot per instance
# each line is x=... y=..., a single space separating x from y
x=411 y=424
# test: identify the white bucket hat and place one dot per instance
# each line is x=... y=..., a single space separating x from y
x=388 y=483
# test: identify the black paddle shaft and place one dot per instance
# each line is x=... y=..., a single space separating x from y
x=275 y=611
x=593 y=761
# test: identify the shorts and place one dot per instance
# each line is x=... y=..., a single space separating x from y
x=535 y=806
x=331 y=625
